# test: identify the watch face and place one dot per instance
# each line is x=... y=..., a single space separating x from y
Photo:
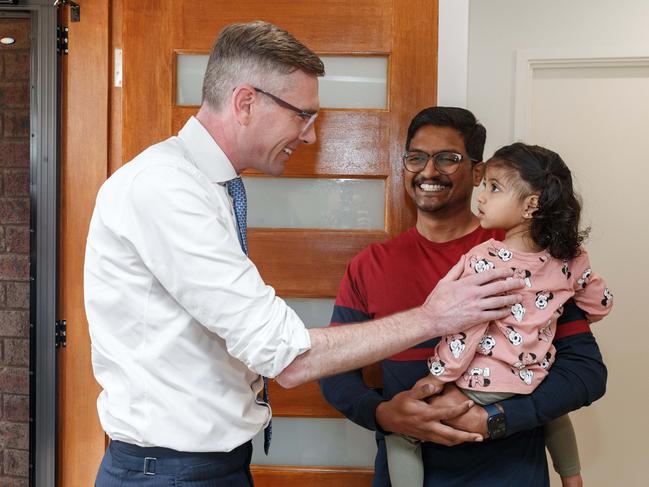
x=496 y=426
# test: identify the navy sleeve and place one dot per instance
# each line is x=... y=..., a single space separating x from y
x=347 y=392
x=577 y=378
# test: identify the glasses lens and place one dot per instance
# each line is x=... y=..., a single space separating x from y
x=447 y=162
x=415 y=161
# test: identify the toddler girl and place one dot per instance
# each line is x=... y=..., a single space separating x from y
x=528 y=193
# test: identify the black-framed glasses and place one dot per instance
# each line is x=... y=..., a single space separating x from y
x=445 y=162
x=307 y=116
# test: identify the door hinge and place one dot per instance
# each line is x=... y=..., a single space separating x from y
x=75 y=9
x=60 y=334
x=62 y=40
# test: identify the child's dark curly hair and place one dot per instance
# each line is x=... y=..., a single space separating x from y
x=555 y=224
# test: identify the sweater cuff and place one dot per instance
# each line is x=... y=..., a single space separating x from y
x=367 y=407
x=520 y=416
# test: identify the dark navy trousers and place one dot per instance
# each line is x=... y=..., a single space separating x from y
x=126 y=465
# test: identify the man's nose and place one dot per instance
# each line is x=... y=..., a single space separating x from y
x=429 y=169
x=308 y=136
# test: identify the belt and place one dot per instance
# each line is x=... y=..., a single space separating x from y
x=153 y=460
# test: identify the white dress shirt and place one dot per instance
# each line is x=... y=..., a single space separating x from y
x=181 y=323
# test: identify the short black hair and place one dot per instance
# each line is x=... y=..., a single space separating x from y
x=473 y=132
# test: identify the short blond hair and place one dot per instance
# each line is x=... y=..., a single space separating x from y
x=257 y=53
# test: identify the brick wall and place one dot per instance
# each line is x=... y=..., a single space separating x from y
x=14 y=254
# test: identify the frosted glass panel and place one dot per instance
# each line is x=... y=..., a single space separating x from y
x=189 y=78
x=316 y=203
x=351 y=81
x=315 y=313
x=325 y=442
x=354 y=82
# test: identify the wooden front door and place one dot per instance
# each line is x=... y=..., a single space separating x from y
x=352 y=143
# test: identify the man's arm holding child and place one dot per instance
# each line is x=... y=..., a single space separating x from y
x=577 y=378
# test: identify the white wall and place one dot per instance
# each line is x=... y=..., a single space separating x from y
x=599 y=124
x=498 y=27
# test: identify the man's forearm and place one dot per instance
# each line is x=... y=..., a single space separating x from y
x=453 y=305
x=337 y=349
x=349 y=394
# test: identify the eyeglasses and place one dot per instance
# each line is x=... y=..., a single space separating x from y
x=307 y=116
x=445 y=162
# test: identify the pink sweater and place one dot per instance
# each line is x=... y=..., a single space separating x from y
x=515 y=353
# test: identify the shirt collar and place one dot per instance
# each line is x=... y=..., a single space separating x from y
x=205 y=153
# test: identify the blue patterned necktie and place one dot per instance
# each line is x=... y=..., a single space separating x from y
x=238 y=193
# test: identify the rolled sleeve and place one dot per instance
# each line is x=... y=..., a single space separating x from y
x=273 y=343
x=176 y=221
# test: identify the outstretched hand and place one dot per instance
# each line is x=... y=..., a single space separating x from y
x=408 y=413
x=459 y=303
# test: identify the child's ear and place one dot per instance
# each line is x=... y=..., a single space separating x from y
x=530 y=205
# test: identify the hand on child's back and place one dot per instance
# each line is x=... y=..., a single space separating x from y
x=429 y=382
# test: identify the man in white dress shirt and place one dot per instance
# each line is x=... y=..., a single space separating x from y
x=183 y=328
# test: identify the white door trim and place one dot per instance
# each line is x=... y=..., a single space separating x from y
x=453 y=53
x=528 y=60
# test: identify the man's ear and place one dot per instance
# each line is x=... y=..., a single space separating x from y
x=478 y=173
x=242 y=102
x=530 y=205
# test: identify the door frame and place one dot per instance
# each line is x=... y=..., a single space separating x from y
x=530 y=60
x=43 y=196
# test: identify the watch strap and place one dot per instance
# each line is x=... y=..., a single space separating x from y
x=492 y=410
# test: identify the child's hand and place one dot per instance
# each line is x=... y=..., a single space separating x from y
x=433 y=384
x=572 y=481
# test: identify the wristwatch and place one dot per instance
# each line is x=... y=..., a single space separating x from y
x=496 y=422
